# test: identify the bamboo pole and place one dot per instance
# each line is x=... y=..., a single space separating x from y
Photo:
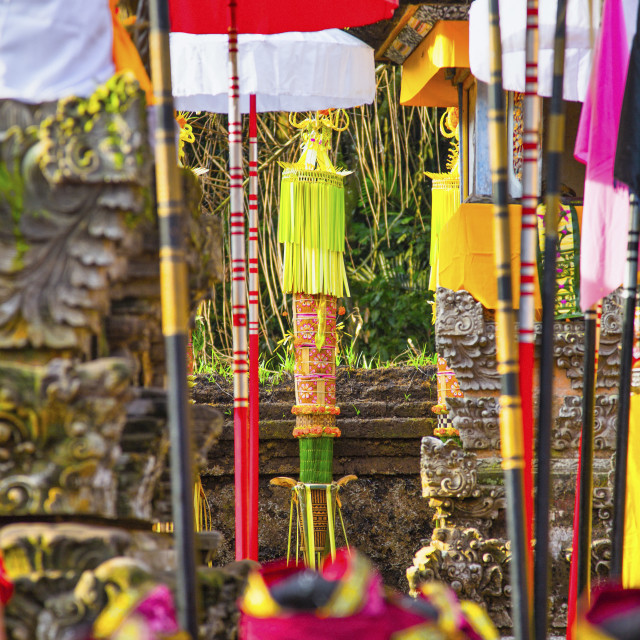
x=254 y=335
x=175 y=305
x=624 y=398
x=528 y=238
x=238 y=294
x=554 y=165
x=510 y=409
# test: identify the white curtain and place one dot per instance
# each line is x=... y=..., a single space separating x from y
x=50 y=49
x=287 y=71
x=581 y=35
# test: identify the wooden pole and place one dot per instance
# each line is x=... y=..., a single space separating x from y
x=554 y=165
x=510 y=408
x=461 y=140
x=238 y=295
x=624 y=398
x=528 y=238
x=175 y=312
x=254 y=335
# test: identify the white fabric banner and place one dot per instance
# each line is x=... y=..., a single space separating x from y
x=51 y=49
x=513 y=21
x=287 y=71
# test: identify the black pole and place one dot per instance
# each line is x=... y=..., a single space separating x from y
x=585 y=492
x=511 y=437
x=175 y=310
x=555 y=147
x=624 y=398
x=460 y=141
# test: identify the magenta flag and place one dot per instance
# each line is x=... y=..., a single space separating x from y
x=605 y=217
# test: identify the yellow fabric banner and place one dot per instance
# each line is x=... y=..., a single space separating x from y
x=467 y=254
x=631 y=553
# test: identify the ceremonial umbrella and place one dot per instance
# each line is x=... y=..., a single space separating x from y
x=279 y=72
x=206 y=16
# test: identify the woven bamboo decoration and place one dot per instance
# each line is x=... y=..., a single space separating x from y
x=312 y=229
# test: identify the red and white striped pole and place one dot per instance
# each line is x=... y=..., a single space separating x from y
x=526 y=316
x=238 y=294
x=254 y=336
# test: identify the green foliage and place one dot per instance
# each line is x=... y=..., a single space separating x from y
x=387 y=210
x=12 y=194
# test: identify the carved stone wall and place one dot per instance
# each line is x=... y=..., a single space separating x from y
x=465 y=336
x=83 y=417
x=465 y=550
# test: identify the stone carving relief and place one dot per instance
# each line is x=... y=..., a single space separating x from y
x=566 y=435
x=447 y=470
x=569 y=345
x=603 y=506
x=458 y=553
x=60 y=426
x=465 y=340
x=72 y=179
x=479 y=513
x=474 y=566
x=61 y=573
x=477 y=420
x=600 y=557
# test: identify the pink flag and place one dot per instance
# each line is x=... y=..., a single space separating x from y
x=605 y=217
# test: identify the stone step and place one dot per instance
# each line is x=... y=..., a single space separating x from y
x=395 y=385
x=360 y=427
x=282 y=410
x=290 y=466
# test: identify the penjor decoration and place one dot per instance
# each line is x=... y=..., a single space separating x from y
x=312 y=229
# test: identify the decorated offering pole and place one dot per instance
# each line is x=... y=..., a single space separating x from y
x=312 y=228
x=238 y=297
x=254 y=334
x=448 y=387
x=526 y=314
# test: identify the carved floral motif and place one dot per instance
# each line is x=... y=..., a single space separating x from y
x=474 y=566
x=71 y=187
x=465 y=340
x=60 y=426
x=477 y=421
x=569 y=423
x=568 y=346
x=447 y=470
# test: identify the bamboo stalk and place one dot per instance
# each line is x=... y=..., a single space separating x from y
x=624 y=398
x=175 y=306
x=254 y=333
x=545 y=423
x=238 y=294
x=528 y=237
x=510 y=409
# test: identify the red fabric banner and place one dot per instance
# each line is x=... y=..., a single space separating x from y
x=256 y=16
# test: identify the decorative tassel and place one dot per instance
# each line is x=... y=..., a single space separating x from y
x=312 y=219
